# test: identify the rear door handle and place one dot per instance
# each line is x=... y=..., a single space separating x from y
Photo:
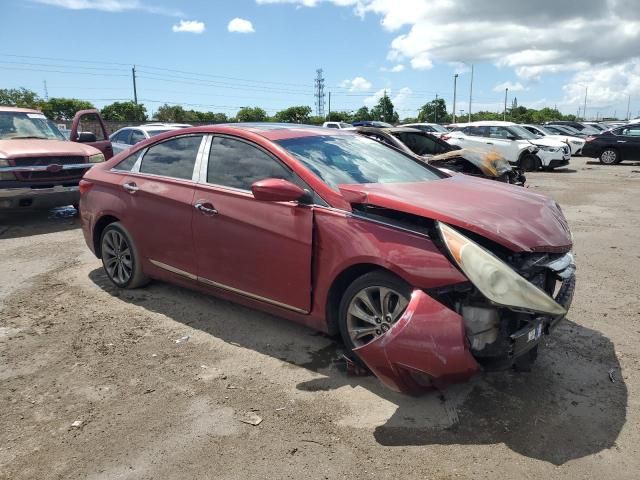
x=206 y=207
x=130 y=187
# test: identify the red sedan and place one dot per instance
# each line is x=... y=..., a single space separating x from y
x=427 y=277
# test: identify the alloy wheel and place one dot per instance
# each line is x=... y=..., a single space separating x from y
x=609 y=157
x=116 y=254
x=371 y=313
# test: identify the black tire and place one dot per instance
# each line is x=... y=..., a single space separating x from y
x=371 y=280
x=610 y=156
x=118 y=248
x=529 y=162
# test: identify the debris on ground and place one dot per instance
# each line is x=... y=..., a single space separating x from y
x=251 y=419
x=77 y=424
x=612 y=377
x=183 y=339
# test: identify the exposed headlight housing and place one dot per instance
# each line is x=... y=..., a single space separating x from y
x=97 y=158
x=496 y=280
x=575 y=142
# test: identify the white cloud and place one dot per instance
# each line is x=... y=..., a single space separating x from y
x=605 y=84
x=358 y=84
x=373 y=99
x=111 y=6
x=395 y=69
x=189 y=26
x=401 y=99
x=240 y=25
x=513 y=87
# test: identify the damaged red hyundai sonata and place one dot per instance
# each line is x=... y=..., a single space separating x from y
x=428 y=277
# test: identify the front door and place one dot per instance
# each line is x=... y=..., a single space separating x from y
x=261 y=250
x=89 y=122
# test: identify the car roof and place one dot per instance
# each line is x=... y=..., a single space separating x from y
x=389 y=130
x=18 y=109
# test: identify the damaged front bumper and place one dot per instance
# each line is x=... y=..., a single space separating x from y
x=432 y=345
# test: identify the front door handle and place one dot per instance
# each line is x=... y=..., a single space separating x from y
x=206 y=207
x=130 y=187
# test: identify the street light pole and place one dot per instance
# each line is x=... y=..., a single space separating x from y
x=506 y=91
x=470 y=92
x=584 y=111
x=435 y=110
x=455 y=81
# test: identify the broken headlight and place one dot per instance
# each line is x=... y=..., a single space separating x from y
x=495 y=279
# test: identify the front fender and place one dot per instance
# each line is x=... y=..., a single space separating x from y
x=425 y=348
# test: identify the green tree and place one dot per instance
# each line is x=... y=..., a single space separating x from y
x=171 y=113
x=251 y=114
x=297 y=114
x=341 y=116
x=64 y=108
x=19 y=97
x=434 y=111
x=361 y=115
x=384 y=110
x=315 y=120
x=124 y=112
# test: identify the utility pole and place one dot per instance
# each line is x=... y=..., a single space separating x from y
x=46 y=92
x=584 y=111
x=319 y=94
x=329 y=116
x=506 y=92
x=471 y=92
x=455 y=81
x=435 y=110
x=628 y=107
x=135 y=91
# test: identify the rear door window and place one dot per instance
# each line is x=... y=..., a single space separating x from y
x=172 y=158
x=136 y=136
x=122 y=136
x=420 y=144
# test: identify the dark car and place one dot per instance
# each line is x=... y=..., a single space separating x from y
x=426 y=276
x=614 y=146
x=440 y=154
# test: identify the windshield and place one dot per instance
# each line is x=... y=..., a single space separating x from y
x=438 y=128
x=356 y=159
x=27 y=125
x=522 y=132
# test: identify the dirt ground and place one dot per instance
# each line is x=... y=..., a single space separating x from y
x=75 y=349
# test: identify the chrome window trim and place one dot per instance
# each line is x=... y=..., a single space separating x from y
x=222 y=286
x=200 y=173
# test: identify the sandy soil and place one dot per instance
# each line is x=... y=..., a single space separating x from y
x=75 y=349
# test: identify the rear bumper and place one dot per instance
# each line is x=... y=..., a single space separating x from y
x=26 y=197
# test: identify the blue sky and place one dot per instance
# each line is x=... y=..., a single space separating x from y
x=85 y=49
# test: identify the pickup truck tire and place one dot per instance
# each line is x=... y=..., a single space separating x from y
x=120 y=257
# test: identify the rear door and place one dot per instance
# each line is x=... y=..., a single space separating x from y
x=90 y=123
x=158 y=193
x=258 y=249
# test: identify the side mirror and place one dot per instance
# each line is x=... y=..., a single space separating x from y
x=86 y=137
x=277 y=190
x=512 y=137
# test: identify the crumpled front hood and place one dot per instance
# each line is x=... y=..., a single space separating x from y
x=33 y=147
x=548 y=142
x=508 y=215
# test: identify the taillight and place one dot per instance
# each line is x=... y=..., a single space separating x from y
x=84 y=186
x=590 y=138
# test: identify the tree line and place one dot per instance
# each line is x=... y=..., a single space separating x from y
x=434 y=111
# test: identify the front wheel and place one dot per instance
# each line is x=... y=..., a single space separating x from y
x=529 y=163
x=610 y=156
x=120 y=257
x=370 y=306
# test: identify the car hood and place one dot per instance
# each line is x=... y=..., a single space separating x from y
x=508 y=215
x=30 y=147
x=569 y=138
x=548 y=142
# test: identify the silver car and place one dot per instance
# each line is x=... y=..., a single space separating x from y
x=128 y=136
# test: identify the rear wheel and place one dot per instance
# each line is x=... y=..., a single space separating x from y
x=610 y=156
x=370 y=306
x=529 y=162
x=120 y=257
